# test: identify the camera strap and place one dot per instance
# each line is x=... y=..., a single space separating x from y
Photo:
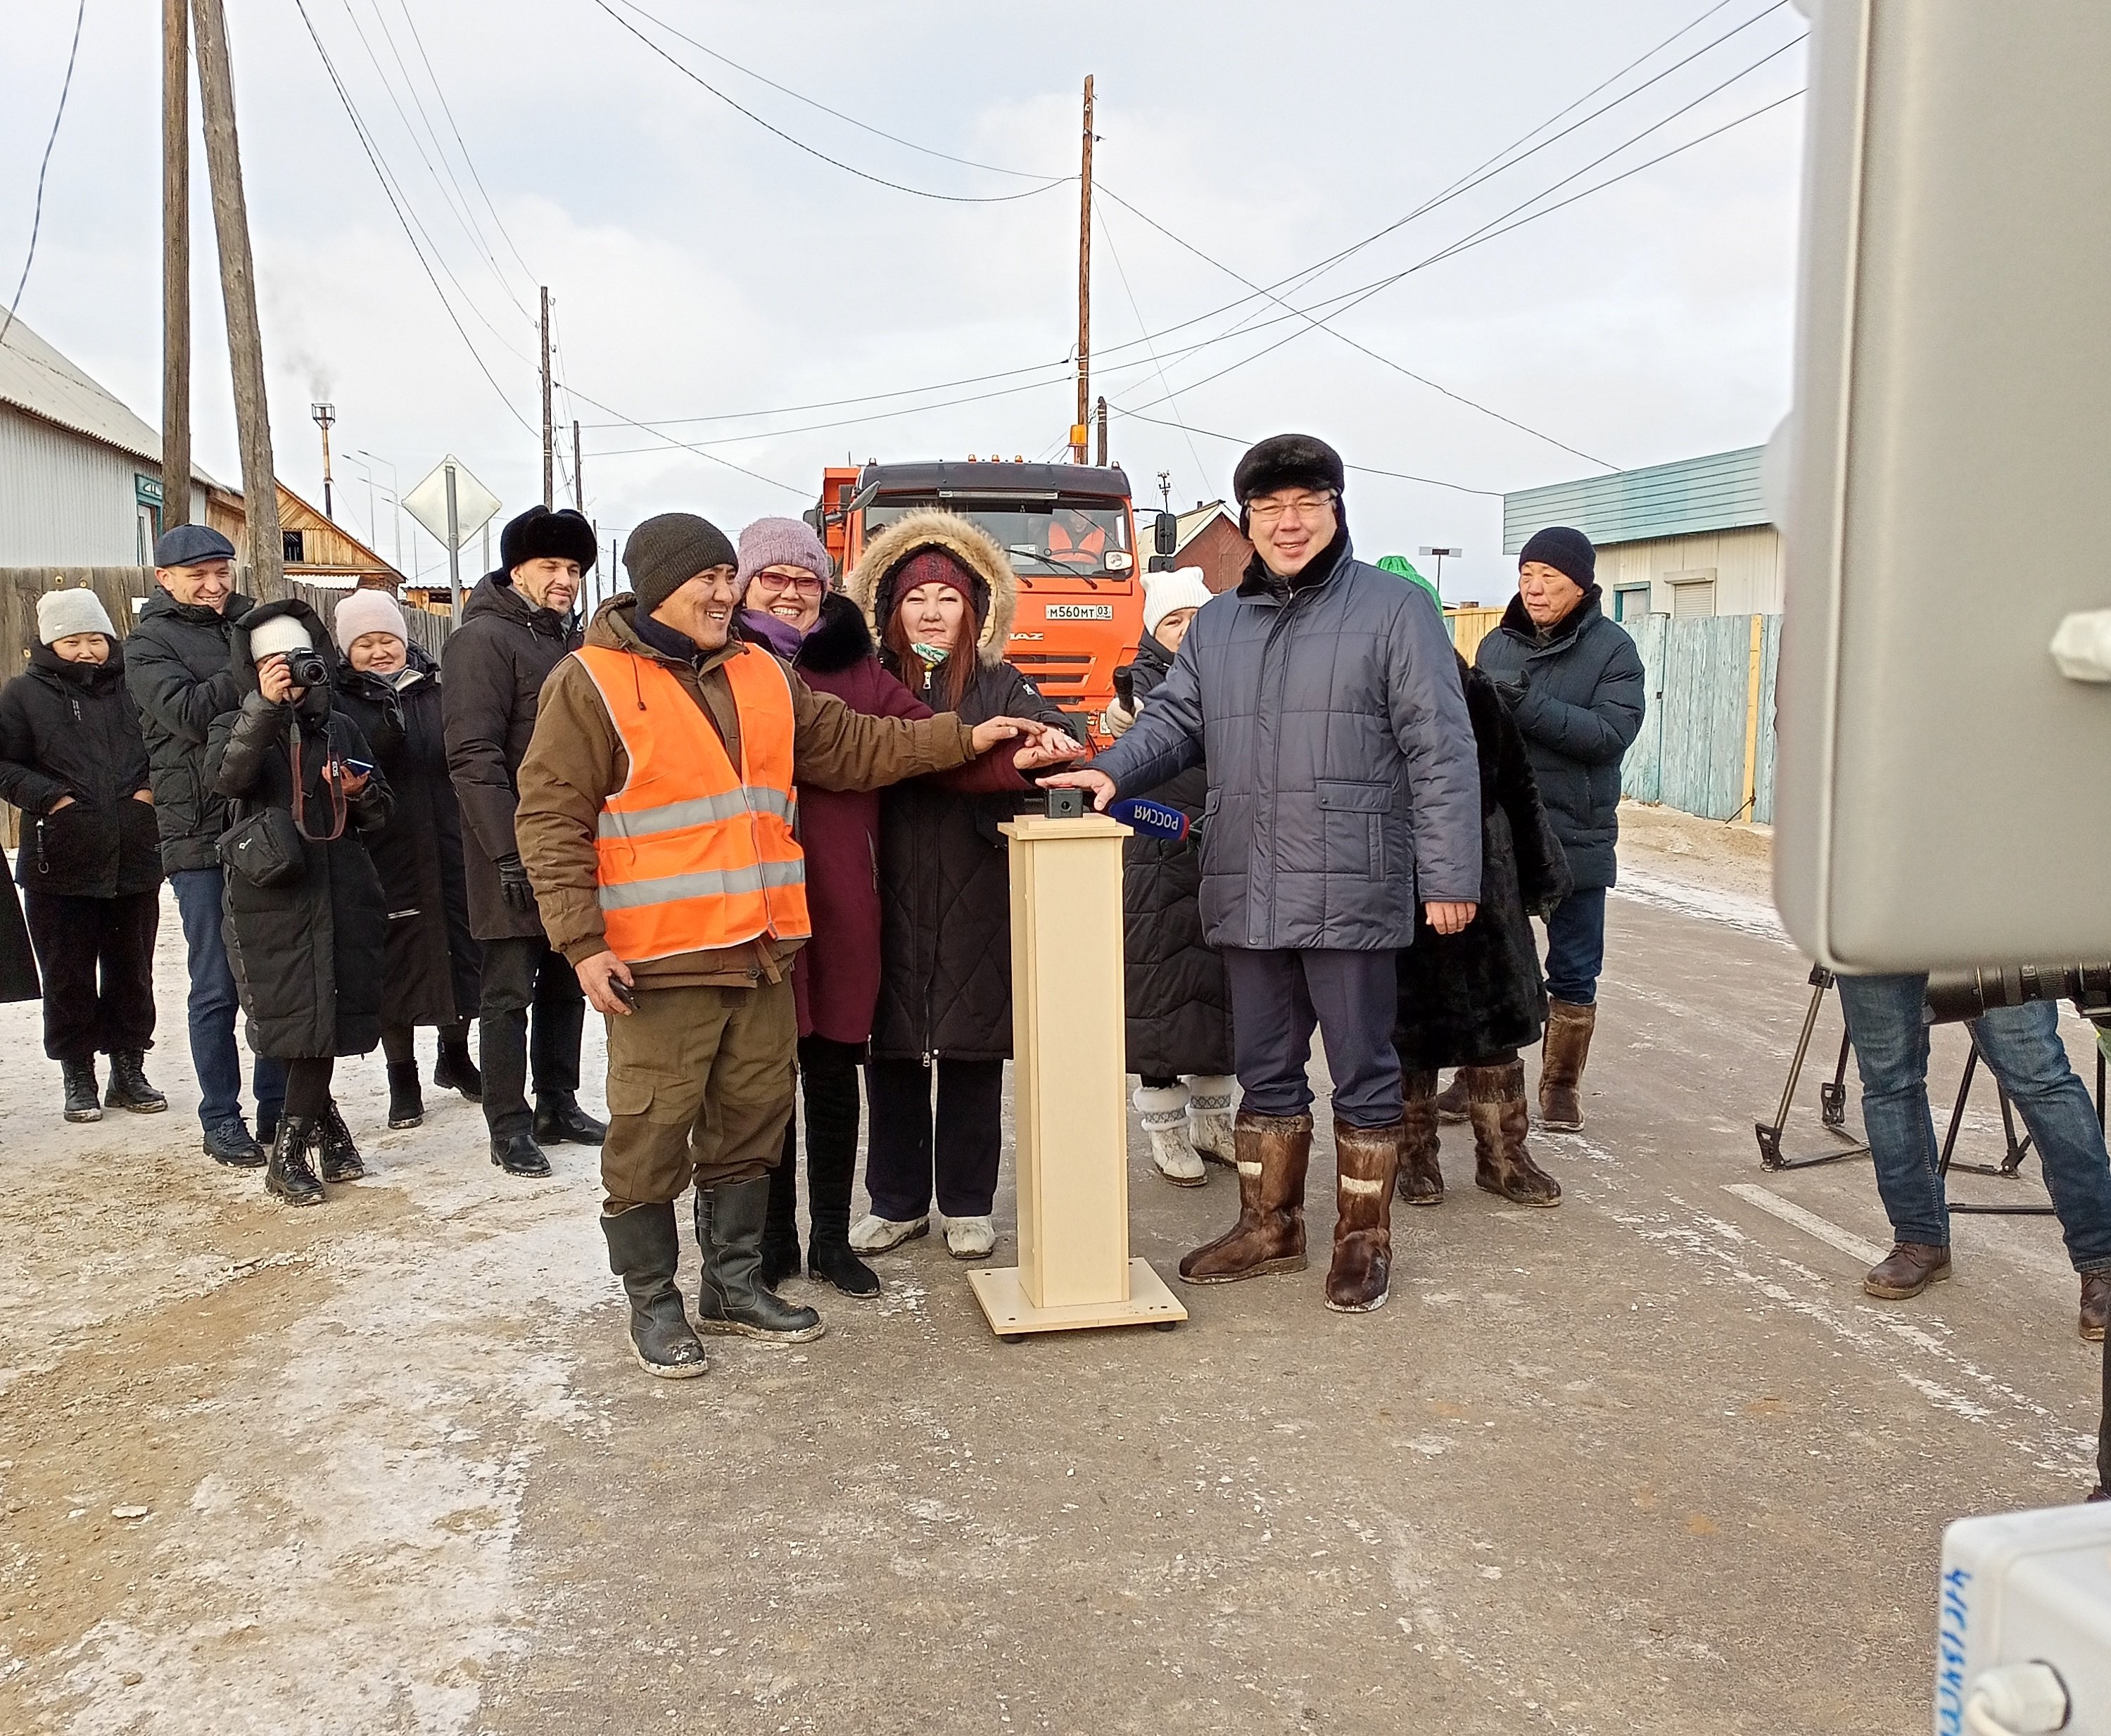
x=333 y=781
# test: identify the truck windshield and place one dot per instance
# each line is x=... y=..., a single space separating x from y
x=1048 y=541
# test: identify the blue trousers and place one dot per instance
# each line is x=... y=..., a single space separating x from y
x=2021 y=1047
x=1576 y=946
x=1352 y=998
x=213 y=1007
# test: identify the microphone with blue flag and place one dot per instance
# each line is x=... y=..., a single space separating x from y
x=1153 y=819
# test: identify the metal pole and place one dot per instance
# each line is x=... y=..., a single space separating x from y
x=1103 y=433
x=579 y=472
x=454 y=551
x=549 y=430
x=175 y=264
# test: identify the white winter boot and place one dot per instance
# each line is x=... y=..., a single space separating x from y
x=971 y=1238
x=872 y=1234
x=1210 y=1116
x=1164 y=1111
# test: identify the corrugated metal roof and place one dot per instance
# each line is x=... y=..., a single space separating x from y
x=36 y=378
x=1719 y=491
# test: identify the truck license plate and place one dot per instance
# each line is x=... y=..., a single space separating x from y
x=1081 y=612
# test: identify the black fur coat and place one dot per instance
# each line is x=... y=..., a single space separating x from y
x=1477 y=995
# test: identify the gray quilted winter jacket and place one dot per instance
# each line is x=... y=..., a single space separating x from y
x=1344 y=787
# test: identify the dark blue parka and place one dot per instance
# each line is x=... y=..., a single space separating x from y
x=1344 y=787
x=1577 y=695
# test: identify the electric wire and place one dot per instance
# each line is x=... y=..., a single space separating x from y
x=1121 y=271
x=37 y=212
x=1368 y=469
x=834 y=162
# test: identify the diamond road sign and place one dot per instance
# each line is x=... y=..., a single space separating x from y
x=476 y=506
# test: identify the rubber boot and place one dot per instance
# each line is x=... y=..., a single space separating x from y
x=645 y=1252
x=286 y=1171
x=1452 y=1102
x=832 y=1134
x=1562 y=1057
x=454 y=1070
x=83 y=1100
x=1366 y=1161
x=780 y=1228
x=406 y=1102
x=341 y=1158
x=1501 y=1162
x=1269 y=1234
x=1421 y=1175
x=1164 y=1109
x=1209 y=1118
x=128 y=1088
x=729 y=1220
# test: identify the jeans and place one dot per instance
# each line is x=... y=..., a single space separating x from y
x=1576 y=948
x=2022 y=1049
x=1278 y=997
x=212 y=1007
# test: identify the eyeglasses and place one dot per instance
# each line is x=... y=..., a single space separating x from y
x=1306 y=511
x=776 y=583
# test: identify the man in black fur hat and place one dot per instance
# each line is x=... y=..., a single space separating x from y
x=518 y=623
x=1323 y=696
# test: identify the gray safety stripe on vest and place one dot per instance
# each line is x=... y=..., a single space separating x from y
x=675 y=816
x=707 y=883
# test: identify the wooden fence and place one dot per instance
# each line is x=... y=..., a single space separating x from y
x=1707 y=745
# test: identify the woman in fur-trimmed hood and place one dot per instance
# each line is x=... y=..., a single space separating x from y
x=940 y=596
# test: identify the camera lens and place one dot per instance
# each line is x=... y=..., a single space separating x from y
x=306 y=668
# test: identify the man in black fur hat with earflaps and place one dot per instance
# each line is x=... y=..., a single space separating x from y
x=518 y=624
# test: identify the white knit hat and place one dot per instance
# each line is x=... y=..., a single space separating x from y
x=361 y=612
x=1183 y=588
x=76 y=609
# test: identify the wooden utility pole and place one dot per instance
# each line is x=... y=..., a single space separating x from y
x=579 y=472
x=549 y=431
x=1084 y=287
x=238 y=287
x=1101 y=416
x=175 y=263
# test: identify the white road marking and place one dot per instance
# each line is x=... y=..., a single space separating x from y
x=1824 y=1229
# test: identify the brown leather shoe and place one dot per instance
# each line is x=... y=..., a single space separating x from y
x=1366 y=1160
x=2095 y=1305
x=1451 y=1102
x=1501 y=1162
x=1421 y=1180
x=1908 y=1269
x=1562 y=1055
x=1269 y=1235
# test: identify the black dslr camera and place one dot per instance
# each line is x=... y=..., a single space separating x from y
x=307 y=666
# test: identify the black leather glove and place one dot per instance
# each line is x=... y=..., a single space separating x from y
x=1511 y=689
x=514 y=883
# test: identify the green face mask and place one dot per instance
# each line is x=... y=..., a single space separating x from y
x=932 y=655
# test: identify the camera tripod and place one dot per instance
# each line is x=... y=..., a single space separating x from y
x=1832 y=1095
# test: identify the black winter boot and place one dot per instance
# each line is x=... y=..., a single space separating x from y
x=128 y=1088
x=407 y=1102
x=780 y=1229
x=645 y=1252
x=341 y=1158
x=229 y=1143
x=454 y=1070
x=832 y=1131
x=518 y=1154
x=83 y=1102
x=729 y=1219
x=286 y=1175
x=558 y=1118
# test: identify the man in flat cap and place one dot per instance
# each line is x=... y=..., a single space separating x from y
x=517 y=625
x=176 y=667
x=1324 y=697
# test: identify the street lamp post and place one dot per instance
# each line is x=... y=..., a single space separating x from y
x=395 y=510
x=1440 y=553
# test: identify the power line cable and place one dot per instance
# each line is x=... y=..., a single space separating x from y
x=921 y=193
x=37 y=213
x=1121 y=271
x=1434 y=482
x=1023 y=174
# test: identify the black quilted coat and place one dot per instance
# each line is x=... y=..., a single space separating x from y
x=1475 y=996
x=434 y=961
x=1179 y=1003
x=306 y=956
x=945 y=880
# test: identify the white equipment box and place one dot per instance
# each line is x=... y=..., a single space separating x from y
x=2020 y=1589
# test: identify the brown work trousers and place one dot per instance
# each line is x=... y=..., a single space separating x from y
x=700 y=1088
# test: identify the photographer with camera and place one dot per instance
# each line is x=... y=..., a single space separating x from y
x=1887 y=1023
x=306 y=923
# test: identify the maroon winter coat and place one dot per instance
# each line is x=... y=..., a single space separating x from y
x=836 y=974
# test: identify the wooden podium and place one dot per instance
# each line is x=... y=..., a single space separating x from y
x=1068 y=1020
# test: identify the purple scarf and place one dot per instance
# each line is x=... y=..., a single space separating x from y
x=779 y=635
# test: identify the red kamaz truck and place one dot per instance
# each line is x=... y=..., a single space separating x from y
x=1070 y=532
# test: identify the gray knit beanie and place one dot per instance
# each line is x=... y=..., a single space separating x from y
x=76 y=609
x=667 y=551
x=781 y=541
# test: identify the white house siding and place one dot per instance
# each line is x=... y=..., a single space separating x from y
x=1746 y=566
x=65 y=500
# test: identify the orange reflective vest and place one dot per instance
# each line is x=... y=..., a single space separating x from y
x=693 y=855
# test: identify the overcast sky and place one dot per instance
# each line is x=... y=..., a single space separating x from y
x=703 y=266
